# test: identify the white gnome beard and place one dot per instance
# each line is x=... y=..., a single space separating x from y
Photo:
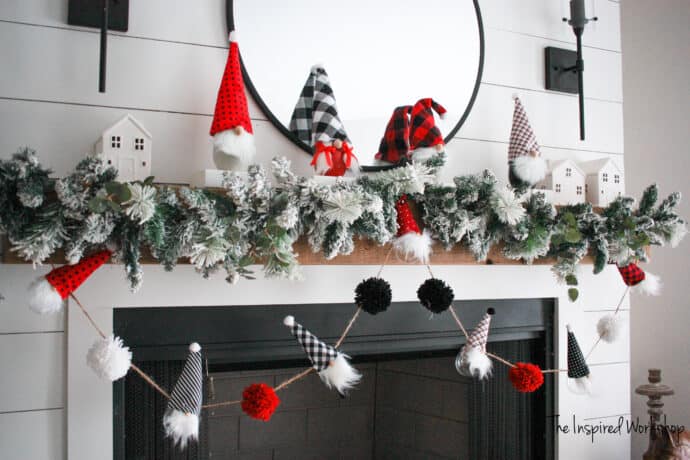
x=109 y=358
x=340 y=375
x=181 y=427
x=529 y=169
x=424 y=153
x=43 y=298
x=414 y=245
x=650 y=285
x=232 y=151
x=475 y=363
x=581 y=385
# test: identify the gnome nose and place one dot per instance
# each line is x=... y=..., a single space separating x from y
x=534 y=153
x=338 y=144
x=237 y=130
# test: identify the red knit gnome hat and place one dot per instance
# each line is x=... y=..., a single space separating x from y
x=410 y=240
x=231 y=104
x=424 y=132
x=48 y=292
x=633 y=276
x=395 y=143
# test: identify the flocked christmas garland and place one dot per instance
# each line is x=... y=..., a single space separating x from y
x=255 y=218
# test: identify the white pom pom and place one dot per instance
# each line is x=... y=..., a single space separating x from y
x=43 y=298
x=181 y=427
x=609 y=327
x=289 y=321
x=194 y=347
x=340 y=375
x=109 y=358
x=475 y=363
x=232 y=151
x=651 y=285
x=232 y=37
x=529 y=169
x=414 y=245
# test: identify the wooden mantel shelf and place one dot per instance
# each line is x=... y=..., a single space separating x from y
x=366 y=253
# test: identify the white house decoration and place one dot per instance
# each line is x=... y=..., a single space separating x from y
x=564 y=183
x=604 y=181
x=127 y=146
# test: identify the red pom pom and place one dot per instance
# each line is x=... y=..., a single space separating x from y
x=259 y=401
x=526 y=377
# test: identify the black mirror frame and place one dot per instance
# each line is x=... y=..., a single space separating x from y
x=286 y=132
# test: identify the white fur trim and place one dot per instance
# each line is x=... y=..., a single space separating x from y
x=194 y=347
x=233 y=152
x=232 y=37
x=651 y=285
x=580 y=386
x=609 y=328
x=340 y=374
x=529 y=169
x=478 y=363
x=422 y=153
x=289 y=321
x=414 y=245
x=43 y=298
x=109 y=358
x=181 y=427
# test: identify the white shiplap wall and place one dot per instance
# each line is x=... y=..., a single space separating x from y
x=165 y=72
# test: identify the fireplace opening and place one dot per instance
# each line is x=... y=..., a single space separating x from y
x=410 y=404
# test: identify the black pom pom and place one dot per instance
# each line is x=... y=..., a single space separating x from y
x=373 y=295
x=491 y=311
x=435 y=295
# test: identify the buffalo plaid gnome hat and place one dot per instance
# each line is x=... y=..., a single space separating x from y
x=577 y=367
x=331 y=365
x=47 y=293
x=425 y=137
x=410 y=241
x=526 y=166
x=634 y=277
x=181 y=419
x=233 y=136
x=395 y=143
x=316 y=122
x=473 y=361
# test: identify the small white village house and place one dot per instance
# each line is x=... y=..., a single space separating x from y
x=127 y=146
x=604 y=181
x=564 y=183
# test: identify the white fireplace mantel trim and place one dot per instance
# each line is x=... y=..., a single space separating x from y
x=89 y=400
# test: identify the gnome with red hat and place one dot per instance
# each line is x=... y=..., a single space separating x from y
x=426 y=139
x=233 y=138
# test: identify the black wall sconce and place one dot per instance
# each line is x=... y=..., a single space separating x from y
x=564 y=68
x=104 y=15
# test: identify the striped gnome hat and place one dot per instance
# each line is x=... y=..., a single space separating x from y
x=473 y=361
x=181 y=419
x=47 y=293
x=315 y=121
x=577 y=367
x=425 y=138
x=526 y=166
x=233 y=136
x=634 y=277
x=395 y=143
x=410 y=241
x=331 y=365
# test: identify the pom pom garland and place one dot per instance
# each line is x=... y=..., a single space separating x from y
x=259 y=401
x=373 y=295
x=435 y=295
x=609 y=327
x=109 y=358
x=526 y=377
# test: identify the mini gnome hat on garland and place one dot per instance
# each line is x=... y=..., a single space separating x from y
x=577 y=367
x=331 y=365
x=410 y=241
x=473 y=359
x=47 y=293
x=395 y=143
x=426 y=139
x=526 y=166
x=634 y=277
x=316 y=122
x=233 y=135
x=181 y=419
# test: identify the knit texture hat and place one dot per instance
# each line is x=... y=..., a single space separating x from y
x=395 y=143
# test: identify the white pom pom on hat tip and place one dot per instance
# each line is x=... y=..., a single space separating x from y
x=232 y=36
x=317 y=66
x=194 y=347
x=289 y=321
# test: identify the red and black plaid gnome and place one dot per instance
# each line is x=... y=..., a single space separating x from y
x=395 y=143
x=47 y=293
x=233 y=138
x=410 y=242
x=526 y=166
x=425 y=137
x=635 y=277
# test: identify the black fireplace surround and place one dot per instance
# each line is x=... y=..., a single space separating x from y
x=503 y=423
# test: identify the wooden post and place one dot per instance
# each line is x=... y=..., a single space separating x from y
x=654 y=390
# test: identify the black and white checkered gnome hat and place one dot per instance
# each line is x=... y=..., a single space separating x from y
x=315 y=117
x=181 y=419
x=472 y=361
x=577 y=367
x=318 y=352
